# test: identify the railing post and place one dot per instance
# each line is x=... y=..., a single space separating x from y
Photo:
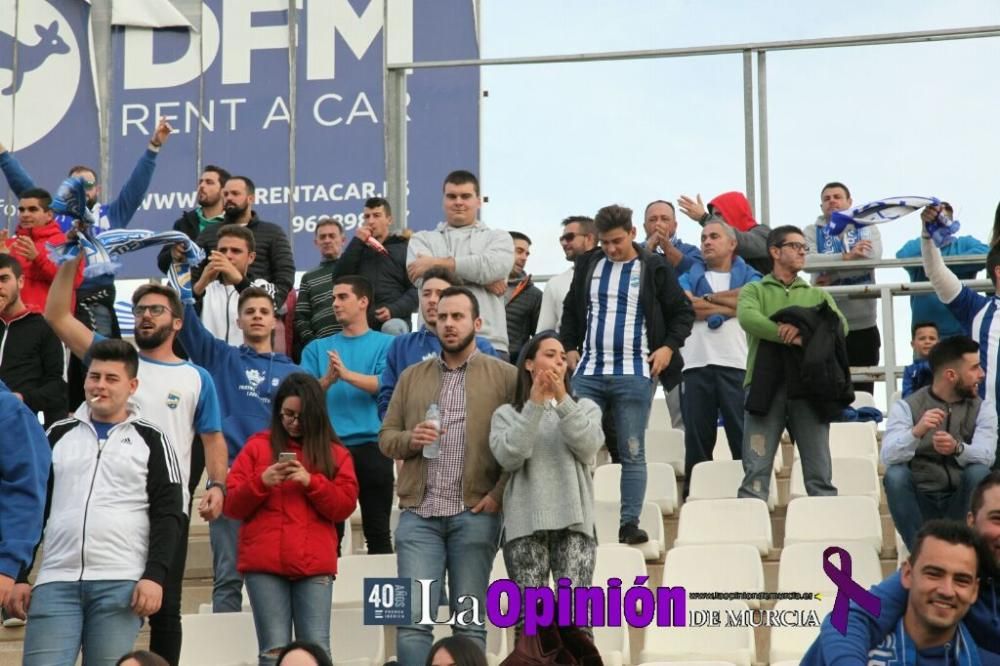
x=748 y=128
x=395 y=146
x=888 y=342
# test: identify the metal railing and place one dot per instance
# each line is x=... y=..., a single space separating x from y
x=888 y=371
x=396 y=73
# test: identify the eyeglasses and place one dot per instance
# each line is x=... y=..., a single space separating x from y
x=291 y=416
x=798 y=247
x=568 y=237
x=154 y=310
x=89 y=184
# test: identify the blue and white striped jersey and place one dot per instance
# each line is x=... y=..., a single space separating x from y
x=616 y=341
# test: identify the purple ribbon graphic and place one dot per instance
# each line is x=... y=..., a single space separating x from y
x=847 y=589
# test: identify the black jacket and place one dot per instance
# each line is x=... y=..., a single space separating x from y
x=31 y=363
x=522 y=313
x=818 y=371
x=387 y=274
x=189 y=225
x=667 y=310
x=274 y=261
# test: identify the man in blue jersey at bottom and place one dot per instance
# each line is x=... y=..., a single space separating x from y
x=624 y=319
x=980 y=616
x=412 y=348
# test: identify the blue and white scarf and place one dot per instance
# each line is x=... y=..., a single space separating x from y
x=100 y=252
x=942 y=230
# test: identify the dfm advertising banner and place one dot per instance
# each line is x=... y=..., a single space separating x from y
x=296 y=107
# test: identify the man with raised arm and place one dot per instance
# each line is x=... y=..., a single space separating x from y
x=249 y=375
x=176 y=396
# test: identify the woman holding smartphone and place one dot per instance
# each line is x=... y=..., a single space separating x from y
x=547 y=440
x=289 y=485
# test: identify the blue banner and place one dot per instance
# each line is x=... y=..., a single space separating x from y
x=48 y=109
x=227 y=90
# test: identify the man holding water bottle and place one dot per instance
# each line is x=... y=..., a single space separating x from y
x=450 y=486
x=852 y=244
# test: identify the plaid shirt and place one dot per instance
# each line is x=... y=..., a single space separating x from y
x=443 y=497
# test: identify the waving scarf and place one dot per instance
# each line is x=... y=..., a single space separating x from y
x=101 y=252
x=942 y=229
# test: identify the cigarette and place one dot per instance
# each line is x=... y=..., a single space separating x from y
x=95 y=398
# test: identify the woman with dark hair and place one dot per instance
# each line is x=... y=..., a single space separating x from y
x=289 y=485
x=456 y=651
x=547 y=441
x=142 y=658
x=302 y=653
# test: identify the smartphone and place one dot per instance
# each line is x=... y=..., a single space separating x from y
x=286 y=456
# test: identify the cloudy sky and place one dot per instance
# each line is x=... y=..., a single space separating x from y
x=913 y=119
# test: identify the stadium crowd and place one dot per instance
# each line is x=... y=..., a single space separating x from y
x=430 y=366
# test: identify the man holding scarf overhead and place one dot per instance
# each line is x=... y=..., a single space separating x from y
x=853 y=243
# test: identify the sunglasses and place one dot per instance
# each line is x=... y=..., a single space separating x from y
x=568 y=237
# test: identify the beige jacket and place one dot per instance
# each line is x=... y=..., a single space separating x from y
x=489 y=383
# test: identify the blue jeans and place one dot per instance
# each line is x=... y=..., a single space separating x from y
x=911 y=508
x=707 y=392
x=227 y=583
x=762 y=436
x=628 y=398
x=280 y=603
x=95 y=615
x=464 y=544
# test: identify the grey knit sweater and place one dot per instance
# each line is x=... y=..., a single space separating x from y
x=548 y=451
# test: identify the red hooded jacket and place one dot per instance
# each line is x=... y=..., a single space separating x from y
x=735 y=210
x=288 y=529
x=39 y=272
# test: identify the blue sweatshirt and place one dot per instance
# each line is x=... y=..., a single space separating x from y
x=916 y=376
x=353 y=412
x=927 y=307
x=244 y=379
x=897 y=647
x=25 y=458
x=114 y=215
x=865 y=632
x=410 y=349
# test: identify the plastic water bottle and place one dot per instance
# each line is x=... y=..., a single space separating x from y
x=433 y=450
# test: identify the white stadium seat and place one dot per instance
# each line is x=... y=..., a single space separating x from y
x=851 y=477
x=607 y=518
x=721 y=479
x=833 y=519
x=852 y=443
x=791 y=643
x=220 y=639
x=725 y=643
x=352 y=642
x=661 y=485
x=801 y=566
x=863 y=399
x=715 y=568
x=666 y=445
x=726 y=521
x=352 y=570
